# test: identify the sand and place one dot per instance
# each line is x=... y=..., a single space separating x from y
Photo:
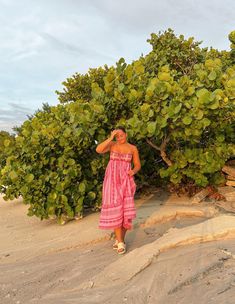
x=176 y=253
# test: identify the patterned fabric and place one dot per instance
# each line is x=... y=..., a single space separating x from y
x=118 y=208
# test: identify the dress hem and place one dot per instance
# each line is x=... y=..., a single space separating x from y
x=114 y=227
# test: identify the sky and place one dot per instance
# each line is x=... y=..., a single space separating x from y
x=43 y=42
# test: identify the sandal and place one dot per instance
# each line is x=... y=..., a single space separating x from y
x=122 y=246
x=115 y=245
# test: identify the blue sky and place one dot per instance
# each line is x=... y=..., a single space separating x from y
x=44 y=42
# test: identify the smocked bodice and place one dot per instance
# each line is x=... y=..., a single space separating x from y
x=120 y=156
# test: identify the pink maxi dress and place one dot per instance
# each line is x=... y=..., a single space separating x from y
x=118 y=208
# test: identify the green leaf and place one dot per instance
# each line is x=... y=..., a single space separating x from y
x=82 y=187
x=204 y=96
x=91 y=195
x=64 y=198
x=6 y=142
x=139 y=68
x=13 y=175
x=151 y=113
x=54 y=195
x=79 y=205
x=220 y=138
x=214 y=106
x=151 y=127
x=199 y=114
x=145 y=107
x=164 y=76
x=121 y=60
x=187 y=120
x=29 y=178
x=212 y=75
x=67 y=132
x=121 y=86
x=206 y=122
x=178 y=108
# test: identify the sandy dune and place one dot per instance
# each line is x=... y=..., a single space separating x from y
x=177 y=253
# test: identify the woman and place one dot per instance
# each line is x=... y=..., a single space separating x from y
x=118 y=209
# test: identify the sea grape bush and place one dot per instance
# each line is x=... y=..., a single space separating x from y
x=177 y=103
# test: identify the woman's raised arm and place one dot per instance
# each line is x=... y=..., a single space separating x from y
x=106 y=145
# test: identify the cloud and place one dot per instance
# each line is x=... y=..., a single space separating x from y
x=19 y=107
x=60 y=45
x=44 y=42
x=13 y=115
x=202 y=19
x=7 y=126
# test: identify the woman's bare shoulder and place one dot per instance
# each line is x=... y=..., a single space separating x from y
x=132 y=147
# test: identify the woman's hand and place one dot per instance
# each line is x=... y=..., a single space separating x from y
x=106 y=144
x=131 y=172
x=113 y=134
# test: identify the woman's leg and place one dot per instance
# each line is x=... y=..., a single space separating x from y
x=119 y=237
x=123 y=233
x=119 y=234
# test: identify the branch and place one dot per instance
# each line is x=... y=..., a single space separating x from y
x=151 y=144
x=162 y=150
